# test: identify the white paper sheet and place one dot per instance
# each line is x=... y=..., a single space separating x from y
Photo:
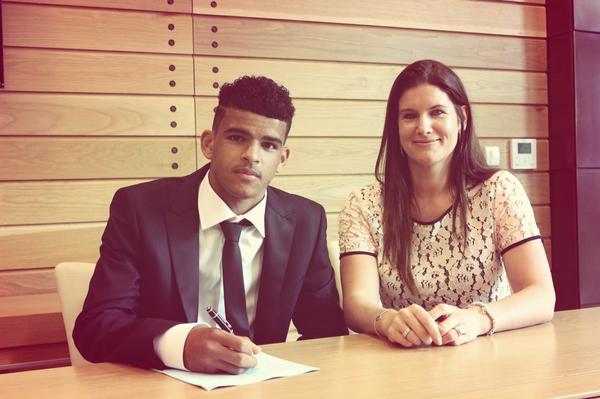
x=268 y=367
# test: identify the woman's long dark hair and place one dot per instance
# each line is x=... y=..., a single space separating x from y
x=467 y=166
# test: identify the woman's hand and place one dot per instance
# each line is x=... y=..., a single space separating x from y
x=410 y=326
x=458 y=326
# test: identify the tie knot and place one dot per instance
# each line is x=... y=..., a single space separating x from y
x=232 y=230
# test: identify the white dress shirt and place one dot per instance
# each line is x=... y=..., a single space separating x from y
x=212 y=211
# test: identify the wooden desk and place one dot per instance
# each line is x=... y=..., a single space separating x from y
x=558 y=359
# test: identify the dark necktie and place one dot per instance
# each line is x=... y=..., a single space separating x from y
x=233 y=279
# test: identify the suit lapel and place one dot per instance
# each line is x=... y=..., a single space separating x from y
x=279 y=233
x=183 y=225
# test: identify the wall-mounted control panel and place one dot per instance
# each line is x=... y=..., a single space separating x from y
x=523 y=153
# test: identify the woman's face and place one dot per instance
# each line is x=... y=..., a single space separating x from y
x=428 y=127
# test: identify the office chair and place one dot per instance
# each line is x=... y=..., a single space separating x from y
x=72 y=280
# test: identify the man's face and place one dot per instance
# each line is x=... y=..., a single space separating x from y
x=245 y=153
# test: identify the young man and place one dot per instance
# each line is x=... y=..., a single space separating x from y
x=166 y=253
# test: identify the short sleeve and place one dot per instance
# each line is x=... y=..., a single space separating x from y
x=357 y=232
x=513 y=214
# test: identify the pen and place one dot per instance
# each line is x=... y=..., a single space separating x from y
x=220 y=320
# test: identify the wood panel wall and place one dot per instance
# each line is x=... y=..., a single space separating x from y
x=101 y=97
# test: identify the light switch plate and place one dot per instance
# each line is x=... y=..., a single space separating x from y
x=523 y=153
x=492 y=155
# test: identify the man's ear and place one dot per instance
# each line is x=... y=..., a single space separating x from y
x=207 y=142
x=285 y=155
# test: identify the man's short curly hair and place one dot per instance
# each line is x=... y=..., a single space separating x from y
x=256 y=94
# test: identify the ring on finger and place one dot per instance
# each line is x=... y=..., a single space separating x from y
x=406 y=332
x=458 y=330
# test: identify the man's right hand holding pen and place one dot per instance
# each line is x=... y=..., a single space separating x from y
x=214 y=350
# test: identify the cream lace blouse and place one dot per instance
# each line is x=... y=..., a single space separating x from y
x=499 y=218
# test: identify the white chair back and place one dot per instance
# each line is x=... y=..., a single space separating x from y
x=72 y=280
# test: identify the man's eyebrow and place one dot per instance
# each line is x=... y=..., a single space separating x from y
x=246 y=133
x=237 y=130
x=272 y=138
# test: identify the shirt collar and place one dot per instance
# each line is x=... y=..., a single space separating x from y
x=213 y=210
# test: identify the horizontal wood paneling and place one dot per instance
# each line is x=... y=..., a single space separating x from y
x=182 y=6
x=32 y=158
x=542 y=218
x=339 y=156
x=332 y=190
x=30 y=320
x=29 y=304
x=537 y=186
x=42 y=247
x=466 y=16
x=95 y=114
x=87 y=201
x=355 y=118
x=56 y=202
x=333 y=226
x=96 y=72
x=15 y=283
x=37 y=247
x=331 y=156
x=357 y=155
x=363 y=81
x=333 y=42
x=82 y=114
x=73 y=243
x=28 y=25
x=495 y=120
x=34 y=357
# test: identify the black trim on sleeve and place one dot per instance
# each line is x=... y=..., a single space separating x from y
x=358 y=253
x=516 y=244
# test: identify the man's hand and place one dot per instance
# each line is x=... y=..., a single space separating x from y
x=210 y=350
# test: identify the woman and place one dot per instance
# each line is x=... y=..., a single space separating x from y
x=441 y=235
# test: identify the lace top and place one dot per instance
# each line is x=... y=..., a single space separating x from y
x=499 y=218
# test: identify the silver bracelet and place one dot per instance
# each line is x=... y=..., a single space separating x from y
x=376 y=319
x=484 y=310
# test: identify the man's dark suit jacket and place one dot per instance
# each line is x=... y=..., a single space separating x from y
x=146 y=279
